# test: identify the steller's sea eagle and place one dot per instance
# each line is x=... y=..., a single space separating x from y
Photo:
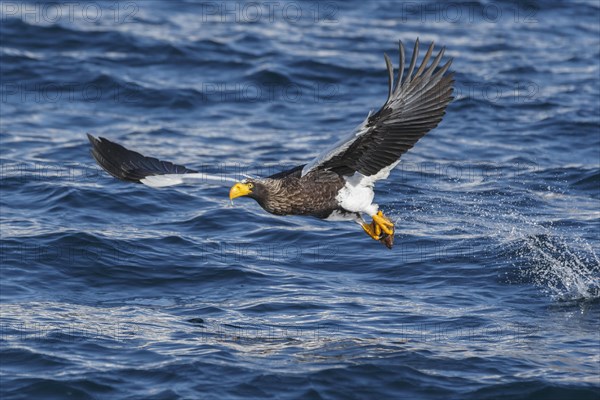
x=338 y=183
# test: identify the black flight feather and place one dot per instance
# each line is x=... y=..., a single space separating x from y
x=130 y=165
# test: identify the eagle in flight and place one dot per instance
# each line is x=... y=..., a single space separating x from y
x=338 y=183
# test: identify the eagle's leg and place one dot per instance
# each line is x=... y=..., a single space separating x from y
x=383 y=223
x=370 y=229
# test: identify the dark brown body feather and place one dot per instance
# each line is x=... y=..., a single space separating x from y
x=287 y=193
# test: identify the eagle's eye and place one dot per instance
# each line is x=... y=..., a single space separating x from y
x=250 y=185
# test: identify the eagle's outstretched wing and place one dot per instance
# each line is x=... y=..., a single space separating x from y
x=414 y=106
x=129 y=165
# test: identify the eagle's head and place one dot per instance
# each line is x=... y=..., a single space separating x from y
x=252 y=188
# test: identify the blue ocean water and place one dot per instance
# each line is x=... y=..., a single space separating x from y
x=112 y=290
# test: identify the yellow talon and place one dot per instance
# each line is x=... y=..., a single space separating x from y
x=381 y=229
x=376 y=228
x=370 y=229
x=383 y=223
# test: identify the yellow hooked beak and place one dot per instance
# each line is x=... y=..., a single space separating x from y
x=238 y=190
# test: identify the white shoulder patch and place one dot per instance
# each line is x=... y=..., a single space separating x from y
x=337 y=148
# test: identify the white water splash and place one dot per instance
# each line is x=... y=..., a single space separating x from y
x=565 y=268
x=562 y=263
x=562 y=271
